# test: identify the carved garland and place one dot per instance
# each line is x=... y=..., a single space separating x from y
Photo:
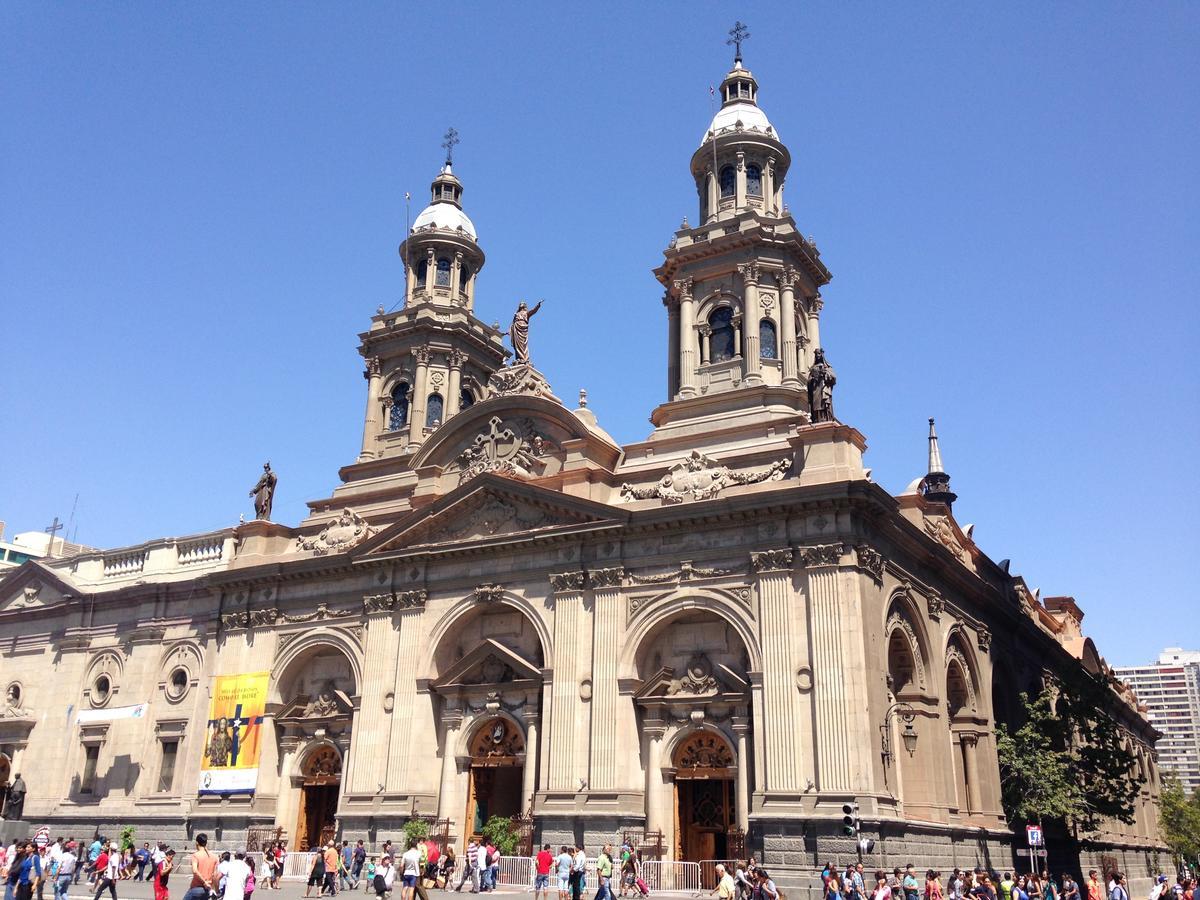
x=701 y=478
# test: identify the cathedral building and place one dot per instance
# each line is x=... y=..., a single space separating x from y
x=709 y=640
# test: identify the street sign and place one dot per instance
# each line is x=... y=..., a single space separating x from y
x=1021 y=851
x=42 y=837
x=1034 y=833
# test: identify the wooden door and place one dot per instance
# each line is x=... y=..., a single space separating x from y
x=705 y=815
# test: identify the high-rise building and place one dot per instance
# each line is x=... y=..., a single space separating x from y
x=1170 y=689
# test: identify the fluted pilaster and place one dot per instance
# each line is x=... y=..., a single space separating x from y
x=564 y=724
x=773 y=573
x=407 y=635
x=606 y=626
x=834 y=752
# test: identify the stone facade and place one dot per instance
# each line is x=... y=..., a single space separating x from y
x=500 y=610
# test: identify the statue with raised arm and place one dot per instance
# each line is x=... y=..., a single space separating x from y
x=519 y=334
x=820 y=388
x=264 y=493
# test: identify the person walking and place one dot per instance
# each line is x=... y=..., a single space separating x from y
x=108 y=864
x=316 y=875
x=1119 y=891
x=358 y=860
x=469 y=871
x=66 y=873
x=604 y=869
x=410 y=870
x=204 y=870
x=578 y=872
x=162 y=874
x=236 y=877
x=385 y=877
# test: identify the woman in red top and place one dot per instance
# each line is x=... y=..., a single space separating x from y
x=161 y=874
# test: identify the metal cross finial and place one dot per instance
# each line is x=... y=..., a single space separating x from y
x=738 y=33
x=450 y=139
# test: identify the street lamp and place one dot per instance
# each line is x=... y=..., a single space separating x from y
x=909 y=735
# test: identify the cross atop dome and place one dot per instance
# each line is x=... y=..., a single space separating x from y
x=738 y=33
x=449 y=139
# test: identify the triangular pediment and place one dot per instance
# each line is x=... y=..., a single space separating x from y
x=490 y=509
x=489 y=663
x=699 y=679
x=31 y=587
x=329 y=703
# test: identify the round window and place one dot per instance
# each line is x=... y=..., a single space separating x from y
x=177 y=684
x=101 y=690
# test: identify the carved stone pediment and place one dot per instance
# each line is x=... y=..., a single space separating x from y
x=943 y=530
x=517 y=379
x=33 y=588
x=327 y=704
x=699 y=477
x=700 y=680
x=488 y=665
x=346 y=531
x=485 y=510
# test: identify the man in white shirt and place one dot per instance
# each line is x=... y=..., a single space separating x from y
x=66 y=873
x=388 y=872
x=410 y=869
x=482 y=865
x=236 y=877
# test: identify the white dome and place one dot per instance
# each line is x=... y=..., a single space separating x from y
x=444 y=215
x=750 y=115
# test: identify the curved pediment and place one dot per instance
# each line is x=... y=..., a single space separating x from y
x=521 y=436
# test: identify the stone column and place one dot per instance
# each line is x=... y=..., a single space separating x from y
x=374 y=723
x=452 y=720
x=687 y=338
x=409 y=606
x=371 y=423
x=740 y=180
x=655 y=820
x=529 y=773
x=787 y=316
x=773 y=573
x=410 y=279
x=736 y=321
x=606 y=626
x=705 y=343
x=714 y=198
x=768 y=187
x=814 y=323
x=455 y=276
x=752 y=314
x=564 y=732
x=740 y=728
x=828 y=662
x=430 y=271
x=672 y=306
x=970 y=772
x=454 y=385
x=416 y=410
x=471 y=291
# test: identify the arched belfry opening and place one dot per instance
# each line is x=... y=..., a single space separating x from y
x=694 y=709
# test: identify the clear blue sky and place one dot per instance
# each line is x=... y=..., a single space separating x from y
x=200 y=206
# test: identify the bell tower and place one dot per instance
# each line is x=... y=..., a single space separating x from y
x=743 y=285
x=433 y=358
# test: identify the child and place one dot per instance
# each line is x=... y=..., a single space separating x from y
x=249 y=878
x=369 y=881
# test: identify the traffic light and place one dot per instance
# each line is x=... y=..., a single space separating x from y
x=851 y=823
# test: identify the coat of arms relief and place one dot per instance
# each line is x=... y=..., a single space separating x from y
x=699 y=477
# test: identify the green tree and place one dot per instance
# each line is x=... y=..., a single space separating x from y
x=126 y=840
x=502 y=834
x=1179 y=819
x=415 y=830
x=1067 y=761
x=1036 y=778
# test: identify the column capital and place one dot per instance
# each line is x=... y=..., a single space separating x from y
x=706 y=330
x=565 y=582
x=771 y=560
x=453 y=718
x=456 y=358
x=822 y=555
x=684 y=286
x=602 y=578
x=488 y=593
x=749 y=271
x=421 y=354
x=870 y=561
x=815 y=304
x=378 y=603
x=374 y=366
x=787 y=278
x=412 y=599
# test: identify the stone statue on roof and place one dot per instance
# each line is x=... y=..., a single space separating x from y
x=519 y=333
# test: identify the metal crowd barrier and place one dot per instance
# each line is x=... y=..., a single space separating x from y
x=669 y=875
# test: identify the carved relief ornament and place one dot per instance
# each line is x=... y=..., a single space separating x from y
x=870 y=561
x=939 y=528
x=567 y=581
x=769 y=560
x=821 y=555
x=600 y=578
x=498 y=448
x=489 y=593
x=346 y=531
x=699 y=477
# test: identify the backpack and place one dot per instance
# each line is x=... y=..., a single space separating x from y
x=491 y=858
x=380 y=884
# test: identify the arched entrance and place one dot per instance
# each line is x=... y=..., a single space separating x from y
x=321 y=776
x=497 y=772
x=704 y=796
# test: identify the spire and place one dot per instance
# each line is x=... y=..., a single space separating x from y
x=937 y=482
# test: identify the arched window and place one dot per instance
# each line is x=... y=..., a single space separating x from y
x=422 y=271
x=721 y=342
x=464 y=275
x=433 y=411
x=399 y=416
x=728 y=181
x=902 y=667
x=443 y=272
x=465 y=399
x=754 y=181
x=768 y=348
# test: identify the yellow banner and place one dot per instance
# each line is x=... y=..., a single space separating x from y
x=233 y=738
